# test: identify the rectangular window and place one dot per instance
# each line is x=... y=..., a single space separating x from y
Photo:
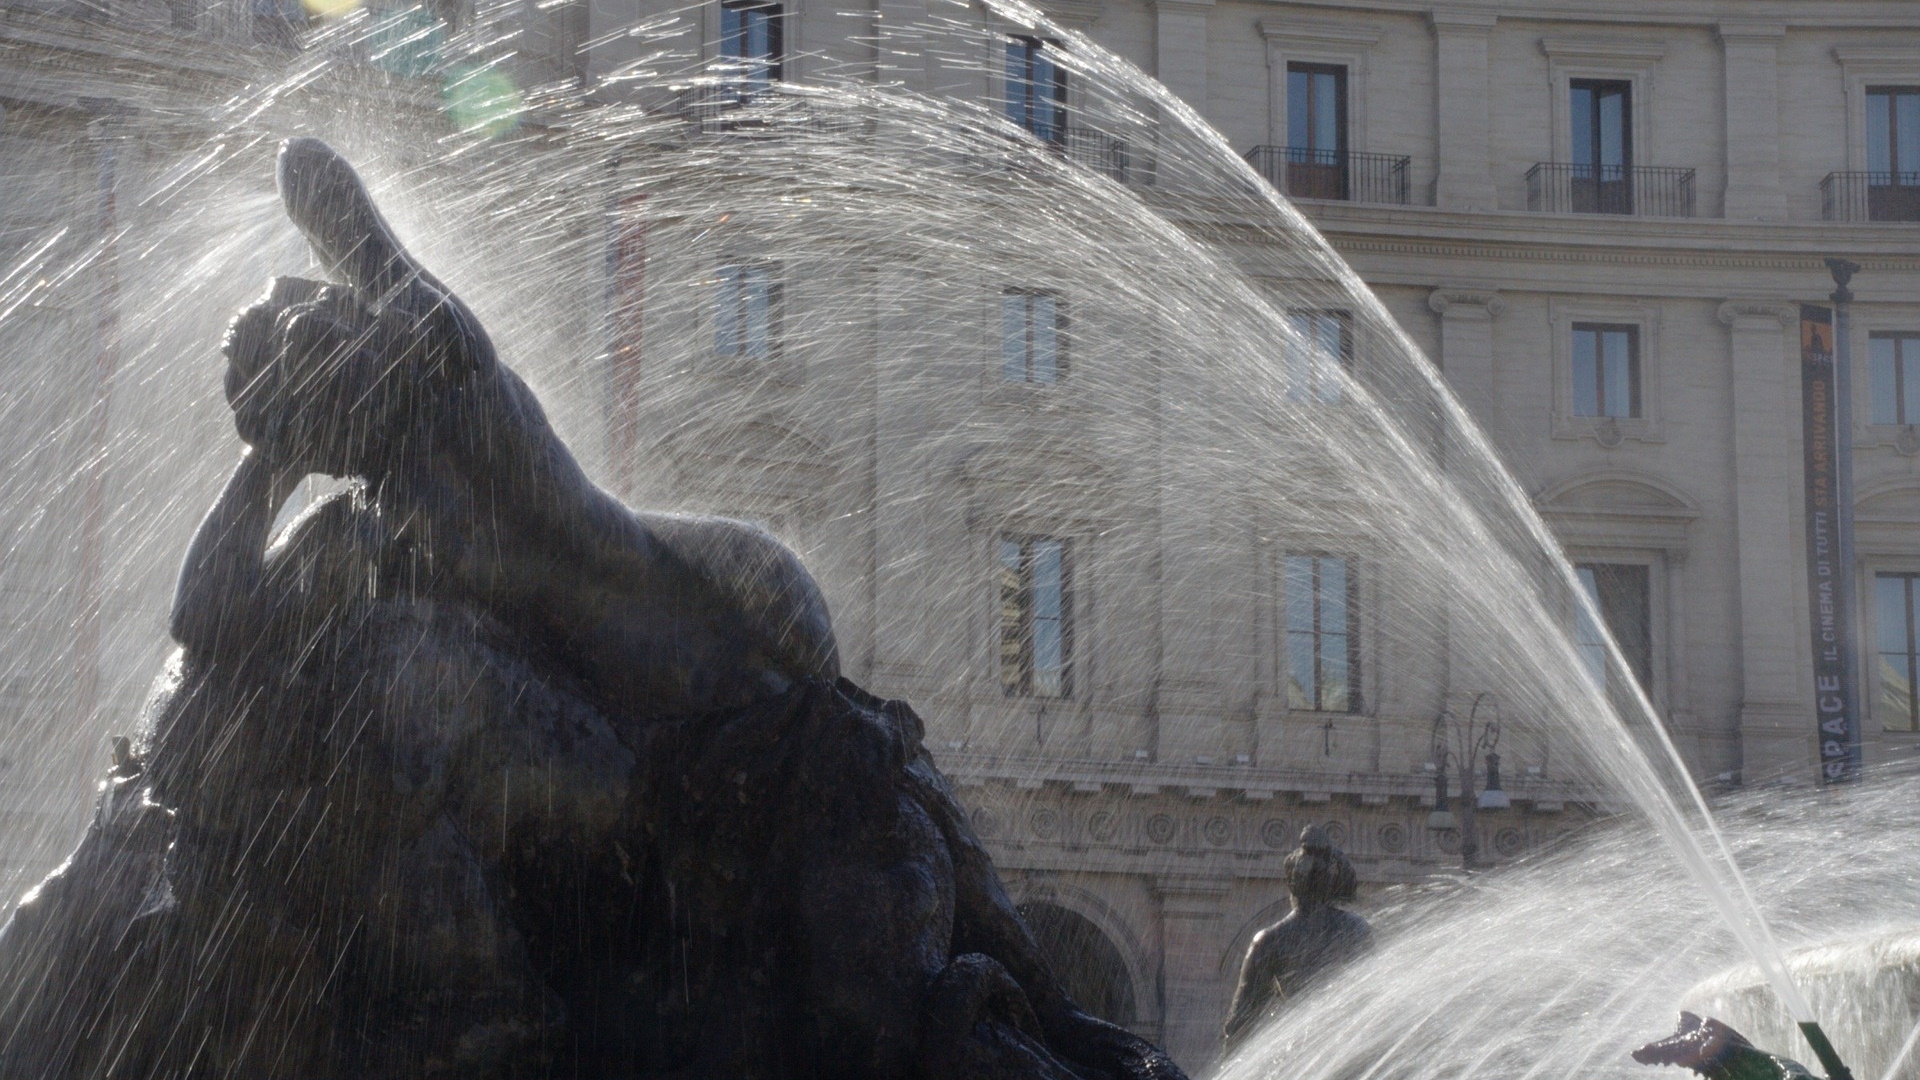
x=752 y=42
x=1893 y=153
x=1894 y=360
x=1606 y=370
x=1036 y=89
x=1321 y=348
x=1898 y=643
x=746 y=311
x=1036 y=616
x=1323 y=646
x=1602 y=143
x=1317 y=131
x=1033 y=332
x=1620 y=591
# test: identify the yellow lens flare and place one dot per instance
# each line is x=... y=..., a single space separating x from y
x=328 y=9
x=482 y=101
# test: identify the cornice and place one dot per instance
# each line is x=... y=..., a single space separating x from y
x=1184 y=7
x=1074 y=13
x=1288 y=32
x=1609 y=49
x=1875 y=55
x=1794 y=14
x=1777 y=311
x=1471 y=301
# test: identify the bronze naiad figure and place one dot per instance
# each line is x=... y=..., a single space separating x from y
x=473 y=771
x=1315 y=937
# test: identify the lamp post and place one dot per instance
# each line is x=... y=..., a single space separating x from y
x=1463 y=742
x=1847 y=603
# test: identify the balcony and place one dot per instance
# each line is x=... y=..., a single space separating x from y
x=1870 y=196
x=1101 y=153
x=1328 y=174
x=1637 y=190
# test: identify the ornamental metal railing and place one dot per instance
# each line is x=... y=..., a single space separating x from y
x=1639 y=190
x=1331 y=174
x=1100 y=152
x=1870 y=196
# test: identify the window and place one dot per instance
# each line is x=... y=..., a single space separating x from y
x=746 y=311
x=1620 y=591
x=752 y=42
x=1893 y=153
x=1894 y=597
x=1606 y=370
x=1323 y=649
x=1036 y=90
x=1601 y=115
x=1322 y=346
x=1895 y=363
x=1036 y=617
x=1317 y=131
x=1033 y=327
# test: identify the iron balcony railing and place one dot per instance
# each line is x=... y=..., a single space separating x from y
x=1331 y=174
x=1870 y=196
x=1641 y=190
x=1100 y=152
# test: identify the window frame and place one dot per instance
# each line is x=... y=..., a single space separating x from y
x=1636 y=63
x=1356 y=696
x=1646 y=658
x=1911 y=579
x=1905 y=342
x=1289 y=40
x=1314 y=391
x=1600 y=331
x=775 y=305
x=1032 y=47
x=1062 y=336
x=1564 y=313
x=1025 y=635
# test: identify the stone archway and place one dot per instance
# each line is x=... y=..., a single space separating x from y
x=1087 y=963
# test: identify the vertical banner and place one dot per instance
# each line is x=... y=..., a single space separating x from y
x=1835 y=711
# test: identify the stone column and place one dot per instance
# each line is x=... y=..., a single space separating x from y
x=1464 y=131
x=1180 y=48
x=1679 y=691
x=1752 y=96
x=1193 y=994
x=1775 y=726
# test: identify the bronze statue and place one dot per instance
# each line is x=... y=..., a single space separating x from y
x=1717 y=1052
x=1316 y=935
x=473 y=771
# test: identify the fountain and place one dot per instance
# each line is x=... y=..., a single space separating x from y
x=1175 y=450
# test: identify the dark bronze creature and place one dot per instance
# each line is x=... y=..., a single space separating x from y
x=1717 y=1052
x=474 y=772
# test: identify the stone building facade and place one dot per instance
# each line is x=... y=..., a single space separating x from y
x=1598 y=220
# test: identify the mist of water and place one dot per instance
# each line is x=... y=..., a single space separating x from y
x=1192 y=439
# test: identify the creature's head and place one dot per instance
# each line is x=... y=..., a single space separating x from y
x=339 y=376
x=1317 y=872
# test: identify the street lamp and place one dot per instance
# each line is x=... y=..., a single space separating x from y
x=1462 y=743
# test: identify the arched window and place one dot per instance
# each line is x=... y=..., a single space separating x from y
x=1085 y=961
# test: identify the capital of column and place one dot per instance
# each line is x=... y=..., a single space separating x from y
x=1461 y=21
x=1191 y=897
x=1751 y=32
x=1466 y=303
x=1734 y=312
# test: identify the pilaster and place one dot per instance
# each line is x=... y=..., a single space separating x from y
x=1751 y=85
x=1464 y=131
x=1180 y=48
x=1192 y=933
x=1772 y=731
x=1466 y=345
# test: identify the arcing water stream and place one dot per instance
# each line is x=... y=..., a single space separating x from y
x=1188 y=436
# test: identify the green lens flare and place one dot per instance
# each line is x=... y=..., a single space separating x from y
x=482 y=101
